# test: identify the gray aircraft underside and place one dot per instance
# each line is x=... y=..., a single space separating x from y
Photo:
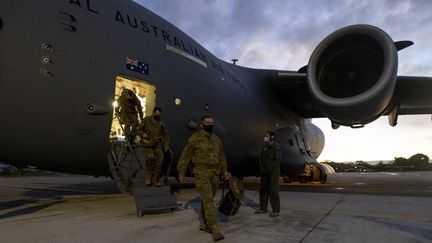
x=60 y=59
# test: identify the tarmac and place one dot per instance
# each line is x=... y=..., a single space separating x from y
x=351 y=207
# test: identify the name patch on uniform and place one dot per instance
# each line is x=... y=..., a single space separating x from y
x=137 y=66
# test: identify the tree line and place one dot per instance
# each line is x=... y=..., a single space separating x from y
x=417 y=162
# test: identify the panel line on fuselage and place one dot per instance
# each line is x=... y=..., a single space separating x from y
x=185 y=54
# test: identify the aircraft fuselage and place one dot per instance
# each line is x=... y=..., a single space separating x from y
x=58 y=65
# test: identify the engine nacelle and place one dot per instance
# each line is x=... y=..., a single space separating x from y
x=352 y=74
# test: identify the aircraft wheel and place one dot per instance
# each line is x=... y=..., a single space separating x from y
x=303 y=179
x=286 y=179
x=323 y=178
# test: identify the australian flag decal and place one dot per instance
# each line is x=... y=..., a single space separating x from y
x=137 y=66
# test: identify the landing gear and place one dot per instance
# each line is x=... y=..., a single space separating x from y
x=286 y=179
x=323 y=178
x=318 y=175
x=304 y=179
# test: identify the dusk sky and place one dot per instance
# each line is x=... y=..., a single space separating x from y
x=282 y=34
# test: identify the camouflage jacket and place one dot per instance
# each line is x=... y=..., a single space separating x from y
x=204 y=151
x=156 y=130
x=270 y=158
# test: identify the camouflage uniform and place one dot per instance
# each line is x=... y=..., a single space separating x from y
x=127 y=110
x=270 y=173
x=316 y=173
x=157 y=131
x=207 y=154
x=307 y=170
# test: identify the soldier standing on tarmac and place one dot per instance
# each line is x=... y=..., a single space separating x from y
x=206 y=152
x=307 y=173
x=270 y=173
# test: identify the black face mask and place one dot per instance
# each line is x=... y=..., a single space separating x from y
x=157 y=118
x=208 y=128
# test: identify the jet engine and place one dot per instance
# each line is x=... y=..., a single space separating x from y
x=352 y=74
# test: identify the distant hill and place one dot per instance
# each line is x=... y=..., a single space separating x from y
x=371 y=162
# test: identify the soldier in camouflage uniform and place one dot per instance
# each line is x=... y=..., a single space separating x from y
x=128 y=109
x=154 y=131
x=270 y=173
x=206 y=152
x=308 y=172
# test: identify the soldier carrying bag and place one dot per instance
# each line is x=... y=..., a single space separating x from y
x=230 y=202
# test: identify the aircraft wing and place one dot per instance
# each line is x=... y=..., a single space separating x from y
x=413 y=95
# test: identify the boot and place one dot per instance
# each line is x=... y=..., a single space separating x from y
x=156 y=182
x=147 y=181
x=216 y=233
x=204 y=228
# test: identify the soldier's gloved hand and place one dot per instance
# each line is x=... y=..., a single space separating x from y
x=226 y=176
x=181 y=179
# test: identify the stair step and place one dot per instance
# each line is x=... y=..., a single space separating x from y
x=150 y=199
x=150 y=191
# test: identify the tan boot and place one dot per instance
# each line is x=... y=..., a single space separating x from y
x=204 y=228
x=147 y=181
x=216 y=233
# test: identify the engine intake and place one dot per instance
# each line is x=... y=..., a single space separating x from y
x=352 y=74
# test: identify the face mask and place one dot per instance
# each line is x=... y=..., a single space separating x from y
x=208 y=128
x=156 y=117
x=266 y=139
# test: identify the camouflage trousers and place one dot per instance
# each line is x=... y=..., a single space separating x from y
x=207 y=183
x=269 y=189
x=153 y=165
x=130 y=121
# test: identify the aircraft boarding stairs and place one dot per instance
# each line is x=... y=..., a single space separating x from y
x=127 y=164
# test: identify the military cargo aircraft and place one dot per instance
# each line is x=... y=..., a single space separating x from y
x=63 y=63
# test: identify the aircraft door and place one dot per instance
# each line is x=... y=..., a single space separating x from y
x=144 y=91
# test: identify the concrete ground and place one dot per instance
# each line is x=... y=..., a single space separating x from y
x=352 y=207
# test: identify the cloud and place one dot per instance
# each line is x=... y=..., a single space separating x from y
x=282 y=34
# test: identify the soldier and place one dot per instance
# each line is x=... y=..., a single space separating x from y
x=206 y=152
x=270 y=173
x=154 y=132
x=316 y=173
x=128 y=109
x=307 y=173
